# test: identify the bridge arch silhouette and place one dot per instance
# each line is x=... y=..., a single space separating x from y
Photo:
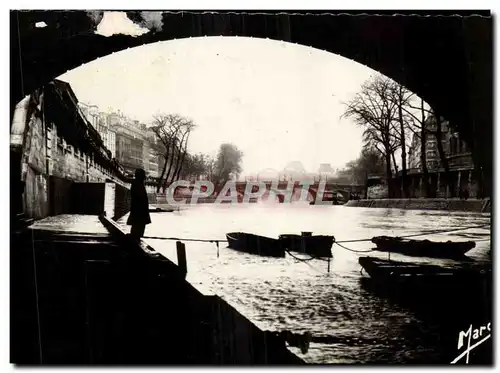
x=446 y=60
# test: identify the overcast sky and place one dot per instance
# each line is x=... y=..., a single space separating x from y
x=277 y=102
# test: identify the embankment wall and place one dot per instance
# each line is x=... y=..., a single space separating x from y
x=470 y=205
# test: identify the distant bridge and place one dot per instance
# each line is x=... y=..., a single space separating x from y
x=280 y=189
x=331 y=188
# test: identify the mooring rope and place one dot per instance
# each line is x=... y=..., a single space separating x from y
x=426 y=233
x=301 y=259
x=407 y=236
x=445 y=231
x=183 y=239
x=355 y=251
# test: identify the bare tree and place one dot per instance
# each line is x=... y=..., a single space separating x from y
x=423 y=149
x=179 y=151
x=418 y=125
x=442 y=155
x=401 y=97
x=374 y=109
x=171 y=130
x=182 y=150
x=430 y=124
x=165 y=128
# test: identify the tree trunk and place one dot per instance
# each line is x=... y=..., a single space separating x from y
x=171 y=163
x=167 y=155
x=395 y=164
x=423 y=161
x=158 y=187
x=179 y=168
x=177 y=158
x=482 y=175
x=176 y=165
x=366 y=185
x=395 y=174
x=423 y=155
x=388 y=172
x=442 y=155
x=403 y=149
x=170 y=147
x=177 y=162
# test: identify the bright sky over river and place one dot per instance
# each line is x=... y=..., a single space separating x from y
x=277 y=102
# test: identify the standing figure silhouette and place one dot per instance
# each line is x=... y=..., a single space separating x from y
x=139 y=206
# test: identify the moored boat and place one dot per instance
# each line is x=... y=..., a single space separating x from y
x=382 y=269
x=420 y=275
x=161 y=209
x=254 y=244
x=316 y=246
x=423 y=248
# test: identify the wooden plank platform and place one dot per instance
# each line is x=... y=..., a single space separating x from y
x=71 y=224
x=84 y=292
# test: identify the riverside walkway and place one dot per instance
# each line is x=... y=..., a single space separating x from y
x=84 y=293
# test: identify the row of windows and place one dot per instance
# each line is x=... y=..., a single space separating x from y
x=457 y=146
x=431 y=154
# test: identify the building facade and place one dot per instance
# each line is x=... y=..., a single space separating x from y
x=108 y=136
x=462 y=175
x=136 y=145
x=53 y=148
x=111 y=142
x=129 y=151
x=130 y=142
x=152 y=154
x=456 y=150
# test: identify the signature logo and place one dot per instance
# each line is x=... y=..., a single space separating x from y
x=475 y=336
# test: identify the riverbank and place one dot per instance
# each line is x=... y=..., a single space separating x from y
x=94 y=296
x=347 y=321
x=446 y=204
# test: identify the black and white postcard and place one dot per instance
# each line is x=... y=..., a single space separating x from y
x=251 y=187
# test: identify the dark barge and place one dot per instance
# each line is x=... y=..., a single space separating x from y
x=423 y=248
x=316 y=246
x=255 y=244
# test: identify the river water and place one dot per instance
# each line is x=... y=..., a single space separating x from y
x=287 y=294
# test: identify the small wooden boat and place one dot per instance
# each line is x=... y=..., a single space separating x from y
x=423 y=247
x=254 y=244
x=316 y=246
x=161 y=209
x=423 y=282
x=403 y=273
x=382 y=269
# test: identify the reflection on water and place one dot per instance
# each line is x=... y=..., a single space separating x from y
x=284 y=294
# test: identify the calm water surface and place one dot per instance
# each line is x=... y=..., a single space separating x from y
x=286 y=294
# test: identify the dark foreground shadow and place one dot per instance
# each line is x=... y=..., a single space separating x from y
x=447 y=310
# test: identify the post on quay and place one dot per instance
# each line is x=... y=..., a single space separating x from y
x=181 y=257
